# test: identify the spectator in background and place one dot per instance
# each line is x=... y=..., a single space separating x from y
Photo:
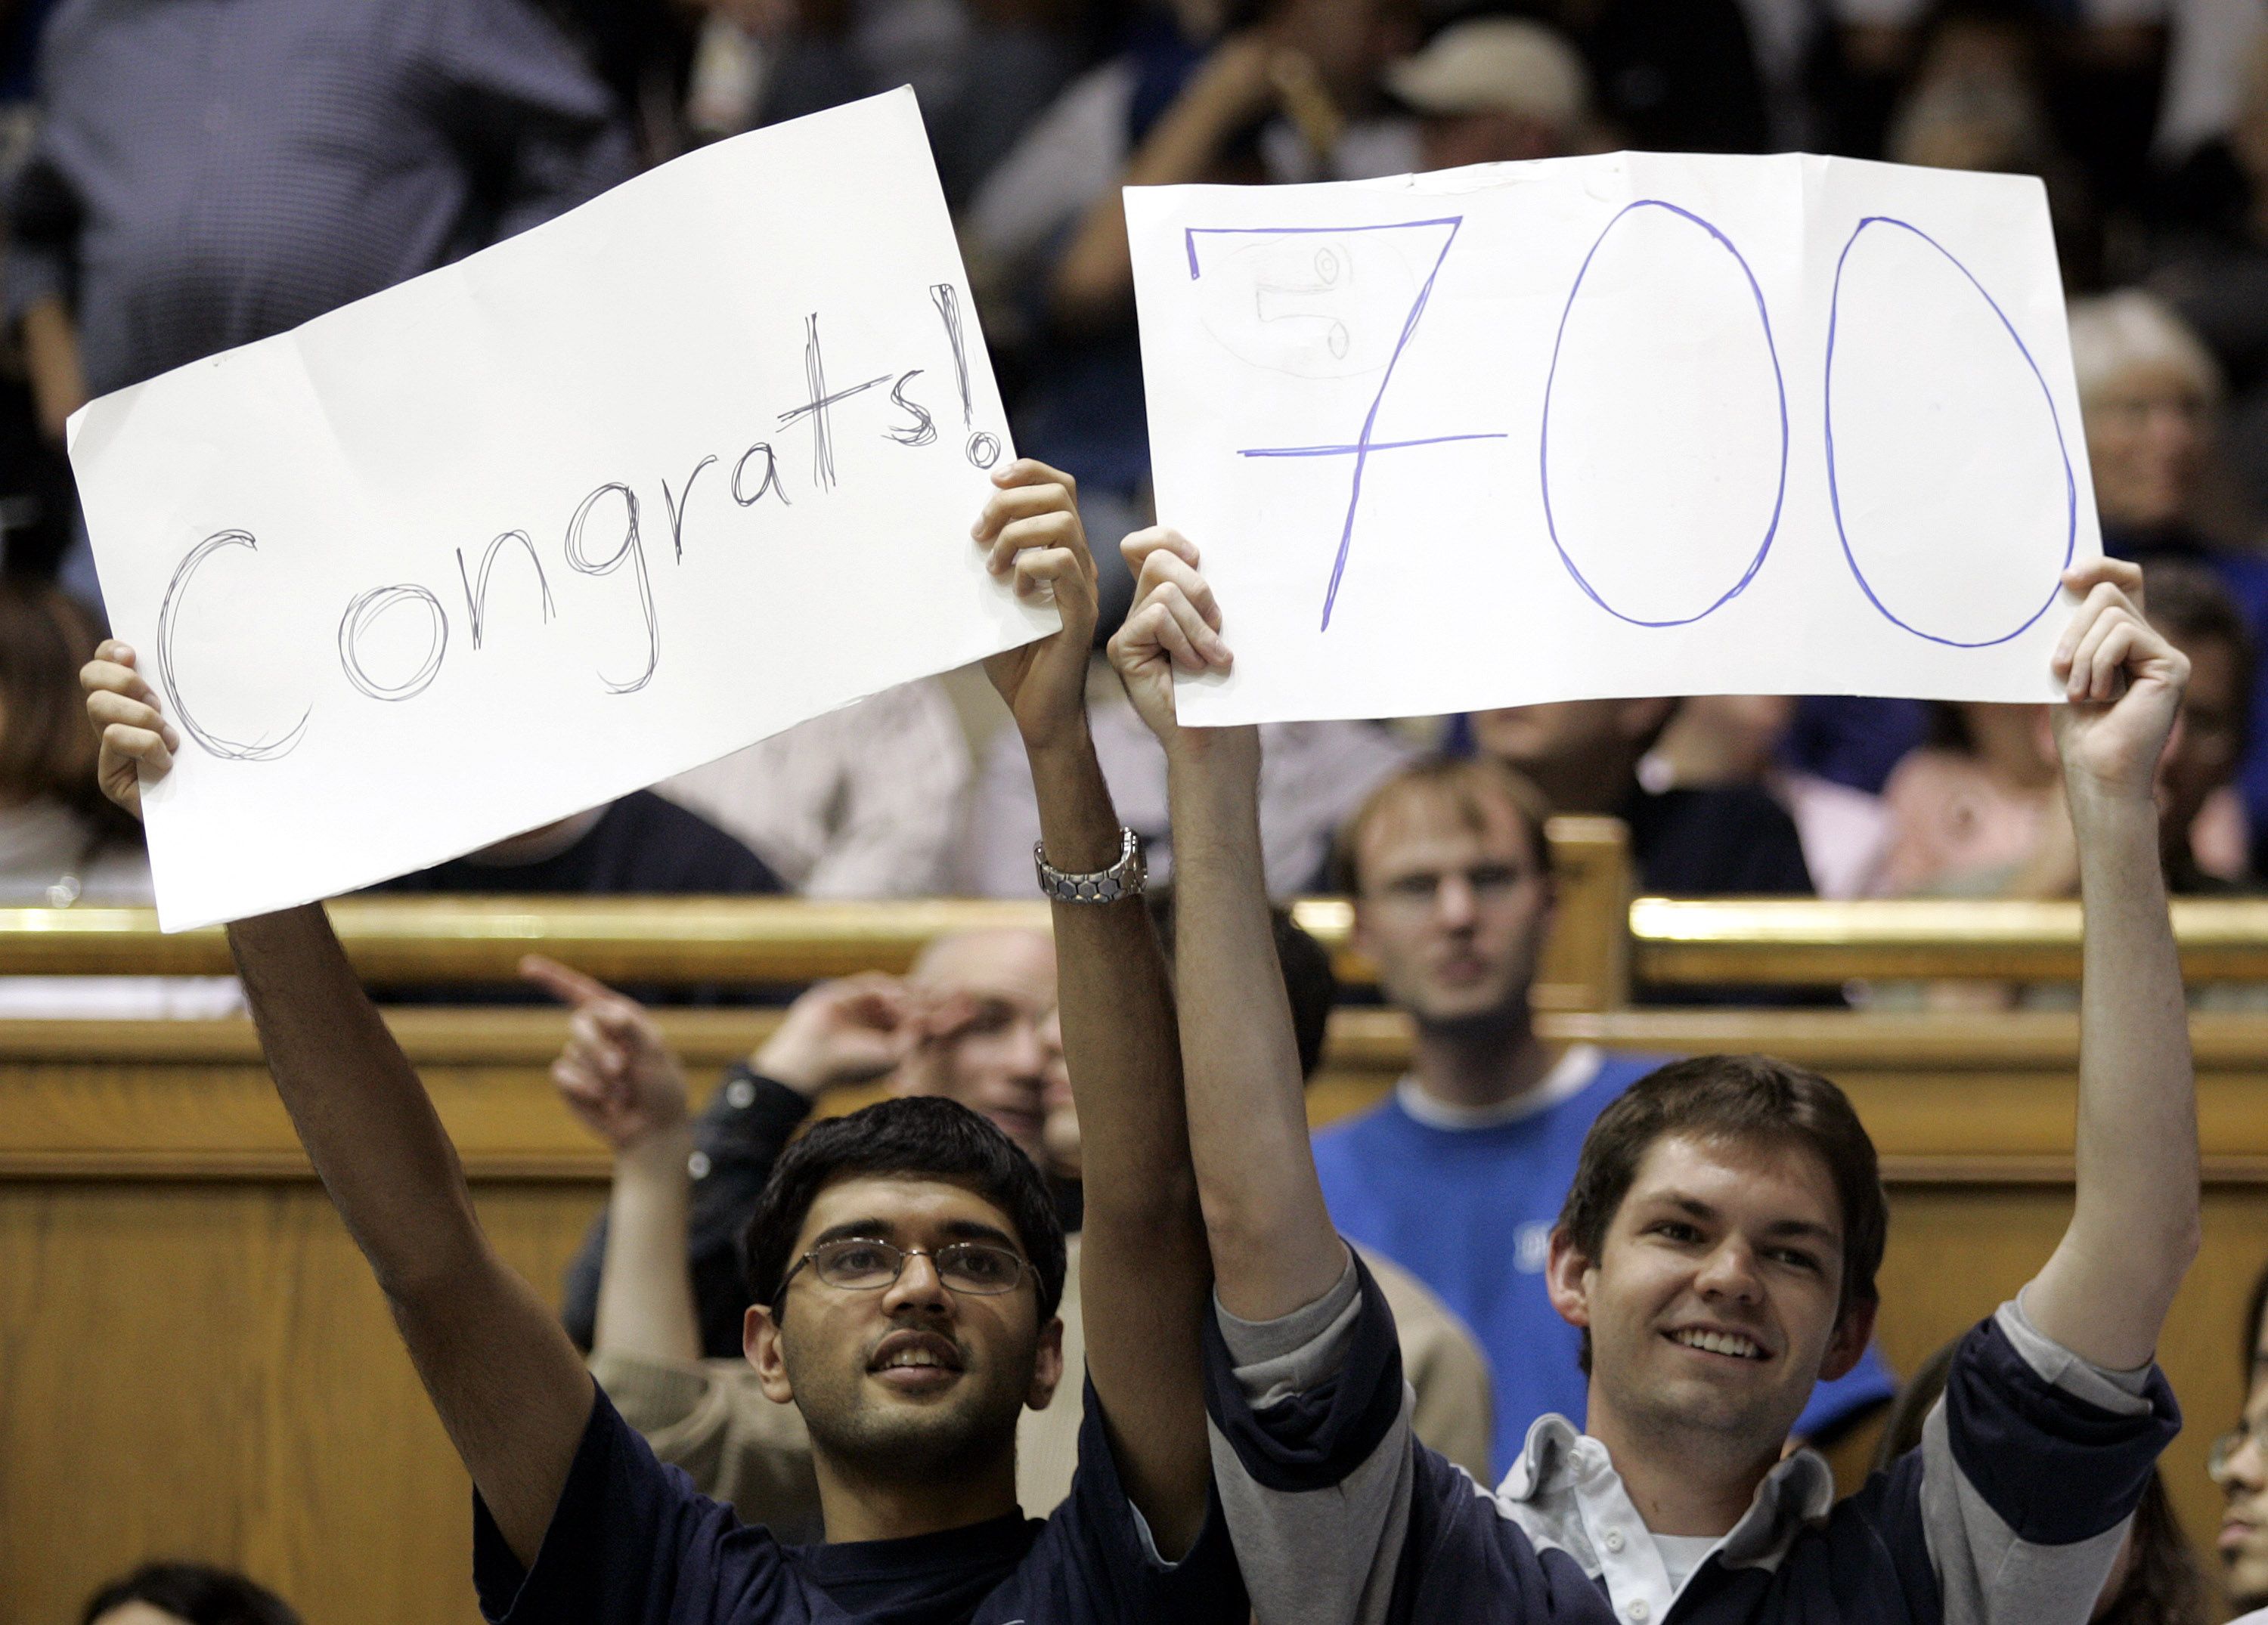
x=2212 y=268
x=35 y=491
x=203 y=176
x=2200 y=819
x=58 y=843
x=1461 y=1173
x=1495 y=89
x=2239 y=1465
x=1212 y=90
x=1729 y=738
x=1969 y=809
x=1979 y=100
x=186 y=1593
x=1686 y=841
x=868 y=801
x=982 y=69
x=639 y=846
x=2150 y=392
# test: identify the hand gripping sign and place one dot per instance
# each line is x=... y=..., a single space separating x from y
x=651 y=481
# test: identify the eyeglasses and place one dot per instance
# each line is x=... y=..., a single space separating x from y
x=2225 y=1450
x=857 y=1265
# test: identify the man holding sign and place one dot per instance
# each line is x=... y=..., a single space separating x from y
x=905 y=1264
x=1718 y=1249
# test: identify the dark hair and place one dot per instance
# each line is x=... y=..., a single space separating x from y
x=195 y=1592
x=2163 y=1585
x=2188 y=603
x=2256 y=1306
x=1310 y=981
x=1468 y=782
x=1733 y=1098
x=922 y=1136
x=46 y=748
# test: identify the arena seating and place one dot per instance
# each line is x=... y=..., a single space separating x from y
x=194 y=1360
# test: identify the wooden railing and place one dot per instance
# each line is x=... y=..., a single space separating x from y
x=1791 y=940
x=157 y=1215
x=757 y=940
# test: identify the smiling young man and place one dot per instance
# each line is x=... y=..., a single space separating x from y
x=907 y=1268
x=1717 y=1247
x=1460 y=1173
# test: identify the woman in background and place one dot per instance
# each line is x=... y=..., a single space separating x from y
x=60 y=841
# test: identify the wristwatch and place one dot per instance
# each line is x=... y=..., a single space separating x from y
x=1123 y=879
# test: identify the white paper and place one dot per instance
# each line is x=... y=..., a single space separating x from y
x=293 y=534
x=1560 y=430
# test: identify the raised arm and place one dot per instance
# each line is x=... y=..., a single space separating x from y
x=508 y=1385
x=620 y=1077
x=1093 y=282
x=1274 y=1249
x=2134 y=1227
x=1144 y=1272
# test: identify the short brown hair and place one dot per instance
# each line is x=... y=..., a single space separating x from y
x=2188 y=603
x=1469 y=782
x=47 y=748
x=1733 y=1098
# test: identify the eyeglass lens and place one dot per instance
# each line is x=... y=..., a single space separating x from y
x=963 y=1266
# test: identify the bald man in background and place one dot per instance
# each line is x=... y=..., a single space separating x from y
x=974 y=1020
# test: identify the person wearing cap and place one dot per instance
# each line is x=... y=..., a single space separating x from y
x=1493 y=90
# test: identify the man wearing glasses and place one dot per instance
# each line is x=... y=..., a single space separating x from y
x=905 y=1265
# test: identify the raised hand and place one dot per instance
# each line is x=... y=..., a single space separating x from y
x=138 y=742
x=617 y=1073
x=2124 y=683
x=1031 y=532
x=1173 y=626
x=844 y=1031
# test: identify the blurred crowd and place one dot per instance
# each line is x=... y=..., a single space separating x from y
x=184 y=177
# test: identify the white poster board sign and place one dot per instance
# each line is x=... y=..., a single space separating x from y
x=1625 y=425
x=651 y=481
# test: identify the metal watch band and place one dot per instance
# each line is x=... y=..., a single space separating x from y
x=1123 y=879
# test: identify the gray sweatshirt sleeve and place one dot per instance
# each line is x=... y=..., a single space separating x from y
x=2031 y=1467
x=1312 y=1454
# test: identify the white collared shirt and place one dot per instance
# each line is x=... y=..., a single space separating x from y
x=1564 y=1492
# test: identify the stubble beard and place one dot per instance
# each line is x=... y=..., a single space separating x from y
x=869 y=1437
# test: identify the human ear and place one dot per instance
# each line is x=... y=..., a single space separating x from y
x=1567 y=1278
x=1853 y=1330
x=1047 y=1366
x=760 y=1341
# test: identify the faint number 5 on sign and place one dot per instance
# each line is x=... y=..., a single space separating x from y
x=1321 y=302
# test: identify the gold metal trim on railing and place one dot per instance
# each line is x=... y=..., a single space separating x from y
x=442 y=939
x=1806 y=941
